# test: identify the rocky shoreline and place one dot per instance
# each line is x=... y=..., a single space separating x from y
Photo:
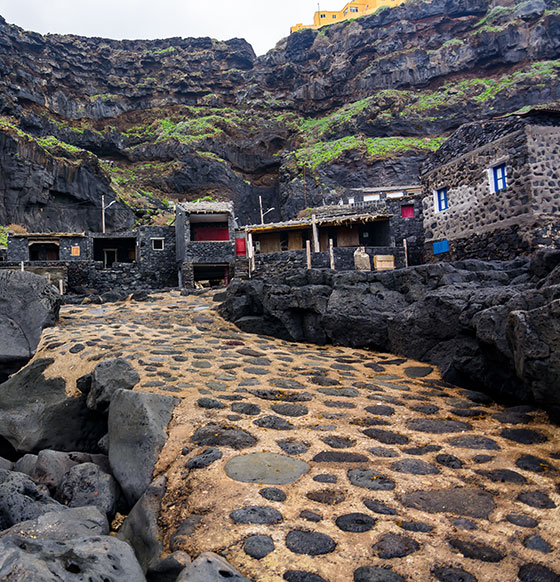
x=218 y=454
x=489 y=325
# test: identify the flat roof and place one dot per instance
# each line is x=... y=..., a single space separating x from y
x=327 y=221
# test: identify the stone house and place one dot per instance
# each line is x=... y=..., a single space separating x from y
x=492 y=191
x=368 y=218
x=144 y=256
x=205 y=242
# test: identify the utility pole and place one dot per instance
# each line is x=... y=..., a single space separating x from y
x=260 y=206
x=103 y=213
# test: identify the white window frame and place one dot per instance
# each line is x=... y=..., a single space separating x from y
x=437 y=199
x=162 y=243
x=492 y=177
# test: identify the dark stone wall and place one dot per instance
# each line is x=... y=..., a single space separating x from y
x=158 y=265
x=65 y=248
x=18 y=249
x=210 y=253
x=479 y=223
x=272 y=264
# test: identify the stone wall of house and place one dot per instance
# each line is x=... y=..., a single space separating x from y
x=210 y=253
x=409 y=229
x=275 y=263
x=543 y=145
x=158 y=265
x=66 y=244
x=18 y=249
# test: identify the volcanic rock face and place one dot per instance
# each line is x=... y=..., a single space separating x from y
x=28 y=304
x=491 y=325
x=186 y=118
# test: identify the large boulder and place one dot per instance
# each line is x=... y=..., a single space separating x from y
x=36 y=413
x=108 y=377
x=137 y=432
x=28 y=304
x=210 y=567
x=21 y=499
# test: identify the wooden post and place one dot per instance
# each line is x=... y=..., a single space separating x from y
x=331 y=253
x=405 y=245
x=22 y=266
x=103 y=213
x=308 y=249
x=260 y=207
x=316 y=247
x=251 y=253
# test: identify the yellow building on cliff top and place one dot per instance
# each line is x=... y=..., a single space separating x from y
x=352 y=9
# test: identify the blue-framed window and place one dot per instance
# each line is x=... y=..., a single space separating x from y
x=441 y=200
x=499 y=176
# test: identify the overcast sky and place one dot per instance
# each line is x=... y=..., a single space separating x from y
x=263 y=24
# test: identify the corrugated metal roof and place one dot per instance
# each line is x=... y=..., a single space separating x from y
x=327 y=221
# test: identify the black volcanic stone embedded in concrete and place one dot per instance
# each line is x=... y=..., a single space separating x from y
x=327 y=496
x=379 y=507
x=426 y=408
x=536 y=499
x=309 y=543
x=280 y=395
x=414 y=467
x=393 y=545
x=339 y=457
x=286 y=384
x=337 y=442
x=464 y=523
x=258 y=546
x=325 y=478
x=481 y=459
x=468 y=412
x=477 y=397
x=273 y=494
x=386 y=437
x=436 y=426
x=355 y=522
x=376 y=574
x=449 y=461
x=418 y=526
x=204 y=459
x=273 y=422
x=418 y=371
x=292 y=447
x=535 y=542
x=341 y=392
x=524 y=436
x=474 y=442
x=324 y=381
x=380 y=410
x=537 y=573
x=446 y=574
x=477 y=550
x=369 y=479
x=383 y=452
x=288 y=409
x=503 y=476
x=535 y=464
x=245 y=408
x=257 y=514
x=210 y=403
x=213 y=434
x=460 y=501
x=302 y=576
x=311 y=516
x=338 y=404
x=522 y=520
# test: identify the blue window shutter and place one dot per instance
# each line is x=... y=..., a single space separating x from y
x=440 y=247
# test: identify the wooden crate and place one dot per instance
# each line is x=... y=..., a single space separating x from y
x=383 y=262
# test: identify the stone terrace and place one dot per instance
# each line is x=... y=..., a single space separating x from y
x=305 y=463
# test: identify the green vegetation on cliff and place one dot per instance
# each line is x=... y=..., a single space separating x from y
x=379 y=147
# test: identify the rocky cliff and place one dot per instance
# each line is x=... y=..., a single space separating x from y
x=360 y=103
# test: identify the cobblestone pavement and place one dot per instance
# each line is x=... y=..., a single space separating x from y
x=305 y=463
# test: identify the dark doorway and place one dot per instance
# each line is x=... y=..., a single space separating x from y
x=375 y=234
x=211 y=275
x=114 y=250
x=43 y=251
